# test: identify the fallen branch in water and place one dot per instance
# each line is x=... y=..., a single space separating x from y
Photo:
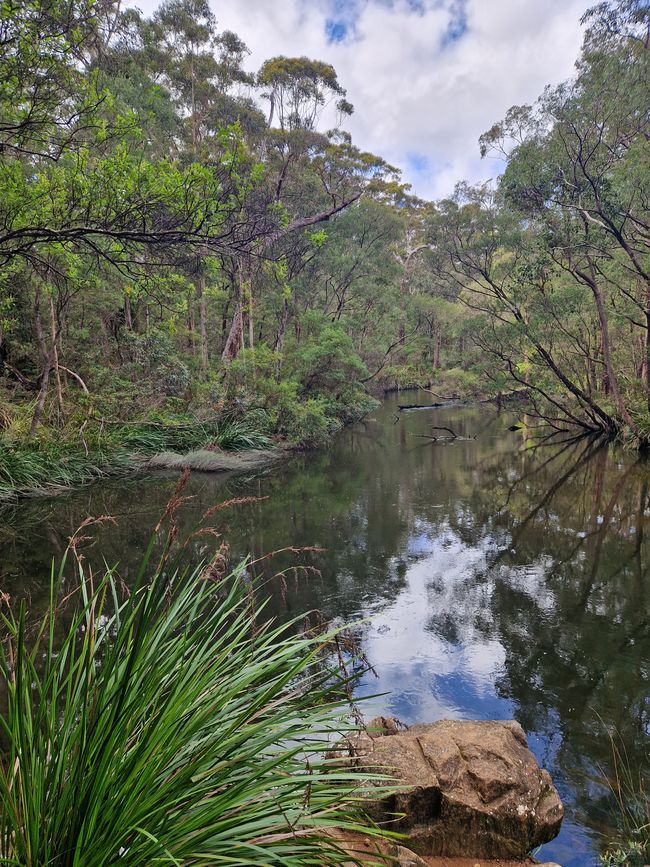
x=441 y=427
x=449 y=439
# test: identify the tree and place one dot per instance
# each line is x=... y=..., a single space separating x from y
x=298 y=89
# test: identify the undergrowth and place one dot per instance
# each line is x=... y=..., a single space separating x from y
x=51 y=463
x=169 y=725
x=628 y=785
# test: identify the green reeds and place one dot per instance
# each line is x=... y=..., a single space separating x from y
x=628 y=785
x=169 y=728
x=48 y=466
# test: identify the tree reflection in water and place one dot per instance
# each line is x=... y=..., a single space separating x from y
x=497 y=578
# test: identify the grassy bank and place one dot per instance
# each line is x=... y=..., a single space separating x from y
x=61 y=459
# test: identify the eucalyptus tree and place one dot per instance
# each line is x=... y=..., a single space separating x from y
x=298 y=89
x=576 y=179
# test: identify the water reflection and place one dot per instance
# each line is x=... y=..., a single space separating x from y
x=495 y=579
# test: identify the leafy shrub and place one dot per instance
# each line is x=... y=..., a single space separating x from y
x=154 y=357
x=307 y=422
x=457 y=383
x=327 y=363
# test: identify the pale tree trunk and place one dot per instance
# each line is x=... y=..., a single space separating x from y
x=406 y=261
x=242 y=314
x=647 y=344
x=282 y=326
x=47 y=360
x=235 y=336
x=128 y=313
x=251 y=332
x=55 y=334
x=606 y=350
x=191 y=324
x=203 y=326
x=437 y=346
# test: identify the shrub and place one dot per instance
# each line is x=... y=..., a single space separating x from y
x=457 y=383
x=301 y=405
x=307 y=422
x=327 y=363
x=170 y=728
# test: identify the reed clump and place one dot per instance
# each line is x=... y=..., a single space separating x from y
x=169 y=726
x=75 y=458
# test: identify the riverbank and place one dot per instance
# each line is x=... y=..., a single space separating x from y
x=466 y=566
x=54 y=462
x=59 y=460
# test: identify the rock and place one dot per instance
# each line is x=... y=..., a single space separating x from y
x=462 y=788
x=362 y=847
x=384 y=725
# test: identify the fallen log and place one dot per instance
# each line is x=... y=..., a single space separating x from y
x=402 y=406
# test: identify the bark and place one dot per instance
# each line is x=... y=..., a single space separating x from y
x=282 y=326
x=203 y=327
x=647 y=346
x=46 y=361
x=55 y=332
x=612 y=379
x=437 y=346
x=235 y=337
x=128 y=313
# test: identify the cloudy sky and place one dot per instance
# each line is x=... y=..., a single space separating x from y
x=426 y=77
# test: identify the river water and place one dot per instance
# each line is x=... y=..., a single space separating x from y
x=495 y=578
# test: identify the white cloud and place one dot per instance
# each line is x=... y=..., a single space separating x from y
x=417 y=92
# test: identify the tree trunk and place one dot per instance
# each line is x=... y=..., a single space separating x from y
x=203 y=328
x=607 y=355
x=46 y=362
x=437 y=346
x=242 y=315
x=235 y=336
x=282 y=326
x=647 y=345
x=128 y=313
x=55 y=333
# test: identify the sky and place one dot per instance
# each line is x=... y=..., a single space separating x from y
x=426 y=77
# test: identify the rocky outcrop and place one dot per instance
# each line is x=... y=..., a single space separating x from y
x=461 y=788
x=383 y=853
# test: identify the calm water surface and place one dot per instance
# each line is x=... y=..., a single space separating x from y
x=495 y=580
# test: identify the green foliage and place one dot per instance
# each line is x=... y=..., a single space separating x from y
x=168 y=728
x=457 y=383
x=307 y=397
x=49 y=465
x=629 y=789
x=327 y=363
x=298 y=88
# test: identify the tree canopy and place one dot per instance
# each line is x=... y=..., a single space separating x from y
x=178 y=233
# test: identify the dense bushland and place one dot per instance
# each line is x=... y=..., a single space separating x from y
x=180 y=237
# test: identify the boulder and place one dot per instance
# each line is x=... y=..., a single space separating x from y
x=461 y=788
x=372 y=850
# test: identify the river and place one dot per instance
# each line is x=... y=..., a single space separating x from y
x=494 y=579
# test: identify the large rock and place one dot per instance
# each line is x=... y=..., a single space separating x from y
x=469 y=789
x=371 y=850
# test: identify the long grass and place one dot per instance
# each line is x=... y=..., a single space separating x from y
x=628 y=785
x=48 y=466
x=169 y=728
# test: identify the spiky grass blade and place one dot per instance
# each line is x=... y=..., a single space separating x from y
x=168 y=729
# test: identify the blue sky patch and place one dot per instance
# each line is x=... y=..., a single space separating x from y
x=417 y=162
x=457 y=26
x=342 y=20
x=336 y=30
